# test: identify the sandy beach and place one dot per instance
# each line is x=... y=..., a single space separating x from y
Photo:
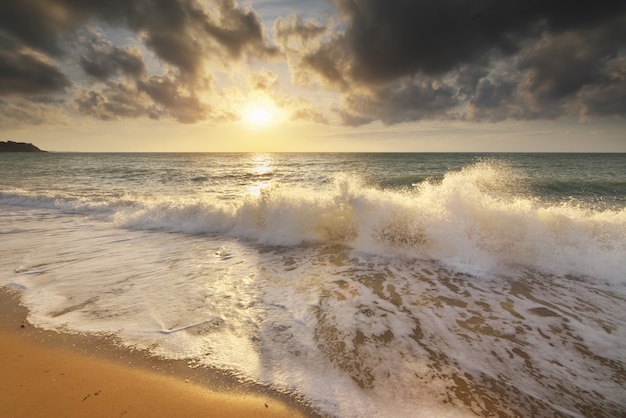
x=54 y=375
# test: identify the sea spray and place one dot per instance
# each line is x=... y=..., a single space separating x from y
x=471 y=220
x=479 y=220
x=475 y=291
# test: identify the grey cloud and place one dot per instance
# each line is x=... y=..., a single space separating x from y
x=177 y=49
x=183 y=34
x=180 y=32
x=608 y=98
x=495 y=99
x=117 y=100
x=238 y=30
x=392 y=38
x=264 y=80
x=349 y=118
x=104 y=60
x=560 y=66
x=389 y=60
x=603 y=101
x=491 y=60
x=490 y=95
x=24 y=71
x=166 y=26
x=37 y=24
x=469 y=77
x=158 y=97
x=569 y=74
x=293 y=32
x=310 y=54
x=118 y=60
x=184 y=107
x=33 y=110
x=404 y=101
x=161 y=89
x=309 y=115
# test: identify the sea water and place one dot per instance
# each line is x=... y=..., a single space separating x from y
x=403 y=285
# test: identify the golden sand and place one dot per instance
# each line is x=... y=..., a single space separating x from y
x=43 y=378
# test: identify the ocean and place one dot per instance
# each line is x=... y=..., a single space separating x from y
x=365 y=285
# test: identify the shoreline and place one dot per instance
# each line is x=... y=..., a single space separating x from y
x=47 y=373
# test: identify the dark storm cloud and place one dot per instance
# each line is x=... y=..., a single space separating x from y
x=492 y=101
x=154 y=97
x=490 y=59
x=404 y=101
x=183 y=34
x=31 y=110
x=116 y=60
x=37 y=24
x=117 y=100
x=392 y=38
x=307 y=53
x=157 y=97
x=104 y=60
x=388 y=60
x=24 y=71
x=603 y=100
x=185 y=107
x=176 y=30
x=237 y=30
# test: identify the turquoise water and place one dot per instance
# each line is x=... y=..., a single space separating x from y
x=365 y=284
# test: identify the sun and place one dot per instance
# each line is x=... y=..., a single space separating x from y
x=258 y=116
x=260 y=113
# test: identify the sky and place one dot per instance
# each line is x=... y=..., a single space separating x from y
x=314 y=75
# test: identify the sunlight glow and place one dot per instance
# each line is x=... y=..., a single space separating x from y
x=258 y=116
x=260 y=172
x=260 y=113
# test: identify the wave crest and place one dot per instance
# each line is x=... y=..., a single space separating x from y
x=479 y=220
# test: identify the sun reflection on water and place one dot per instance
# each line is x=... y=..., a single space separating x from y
x=260 y=173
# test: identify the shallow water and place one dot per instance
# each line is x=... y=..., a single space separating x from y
x=378 y=285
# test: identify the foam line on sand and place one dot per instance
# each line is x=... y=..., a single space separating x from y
x=43 y=377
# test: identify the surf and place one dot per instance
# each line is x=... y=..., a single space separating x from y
x=481 y=219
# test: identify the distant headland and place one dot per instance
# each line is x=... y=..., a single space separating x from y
x=10 y=146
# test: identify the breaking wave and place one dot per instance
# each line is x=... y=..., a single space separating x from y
x=479 y=220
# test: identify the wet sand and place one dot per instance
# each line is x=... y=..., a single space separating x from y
x=58 y=375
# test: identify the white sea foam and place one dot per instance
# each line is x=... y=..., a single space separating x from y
x=355 y=334
x=449 y=299
x=478 y=220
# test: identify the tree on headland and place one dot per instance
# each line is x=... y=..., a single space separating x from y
x=10 y=146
